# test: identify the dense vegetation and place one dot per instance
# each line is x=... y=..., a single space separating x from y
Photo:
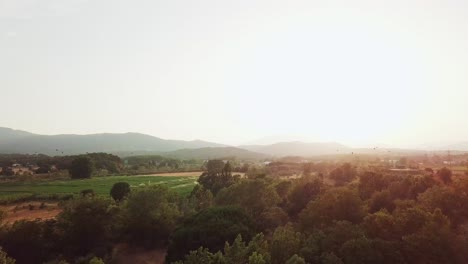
x=88 y=165
x=338 y=214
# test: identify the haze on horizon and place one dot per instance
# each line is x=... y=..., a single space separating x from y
x=365 y=72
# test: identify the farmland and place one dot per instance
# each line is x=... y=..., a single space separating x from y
x=100 y=185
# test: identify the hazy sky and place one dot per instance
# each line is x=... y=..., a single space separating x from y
x=356 y=72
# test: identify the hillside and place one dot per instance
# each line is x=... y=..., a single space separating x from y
x=9 y=135
x=215 y=153
x=298 y=148
x=15 y=141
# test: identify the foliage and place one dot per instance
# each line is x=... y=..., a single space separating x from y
x=81 y=168
x=120 y=190
x=255 y=252
x=40 y=238
x=334 y=205
x=217 y=176
x=210 y=228
x=343 y=174
x=201 y=198
x=445 y=175
x=86 y=225
x=295 y=259
x=303 y=192
x=96 y=260
x=382 y=218
x=255 y=196
x=285 y=243
x=150 y=215
x=4 y=259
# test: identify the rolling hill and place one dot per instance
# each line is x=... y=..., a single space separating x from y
x=297 y=148
x=215 y=153
x=21 y=142
x=130 y=144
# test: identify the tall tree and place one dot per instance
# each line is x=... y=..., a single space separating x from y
x=81 y=167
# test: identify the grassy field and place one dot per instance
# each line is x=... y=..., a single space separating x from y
x=100 y=185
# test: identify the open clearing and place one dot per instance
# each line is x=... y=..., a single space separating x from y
x=100 y=185
x=30 y=211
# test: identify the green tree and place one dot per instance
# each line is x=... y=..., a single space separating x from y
x=3 y=215
x=336 y=204
x=96 y=260
x=202 y=255
x=254 y=196
x=81 y=167
x=217 y=176
x=381 y=225
x=39 y=237
x=4 y=259
x=302 y=193
x=343 y=174
x=86 y=225
x=256 y=258
x=381 y=200
x=295 y=259
x=201 y=197
x=445 y=175
x=370 y=182
x=215 y=167
x=210 y=228
x=330 y=258
x=434 y=242
x=150 y=215
x=285 y=243
x=120 y=190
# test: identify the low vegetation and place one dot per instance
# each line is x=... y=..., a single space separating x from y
x=61 y=189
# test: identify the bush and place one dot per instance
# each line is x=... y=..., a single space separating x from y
x=209 y=228
x=150 y=215
x=4 y=259
x=81 y=168
x=120 y=190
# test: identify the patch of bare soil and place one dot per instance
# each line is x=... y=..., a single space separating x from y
x=124 y=254
x=30 y=211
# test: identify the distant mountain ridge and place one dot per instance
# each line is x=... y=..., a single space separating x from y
x=21 y=142
x=8 y=135
x=297 y=148
x=215 y=153
x=130 y=144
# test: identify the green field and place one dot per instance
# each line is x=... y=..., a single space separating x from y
x=100 y=185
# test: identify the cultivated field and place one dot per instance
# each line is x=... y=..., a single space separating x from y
x=100 y=185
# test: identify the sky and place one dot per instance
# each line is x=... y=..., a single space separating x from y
x=355 y=72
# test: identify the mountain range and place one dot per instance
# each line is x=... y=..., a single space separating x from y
x=129 y=144
x=17 y=141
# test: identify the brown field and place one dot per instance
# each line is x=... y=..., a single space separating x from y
x=21 y=211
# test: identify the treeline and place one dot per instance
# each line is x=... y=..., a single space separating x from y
x=44 y=164
x=344 y=216
x=155 y=163
x=102 y=164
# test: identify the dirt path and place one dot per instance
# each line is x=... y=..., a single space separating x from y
x=30 y=211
